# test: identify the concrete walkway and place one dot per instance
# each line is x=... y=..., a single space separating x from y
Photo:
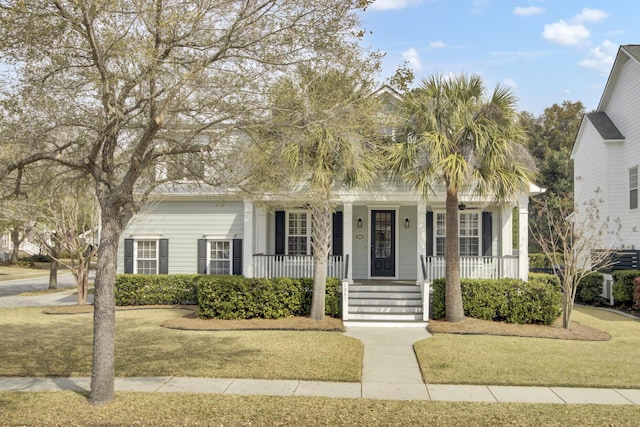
x=390 y=371
x=393 y=391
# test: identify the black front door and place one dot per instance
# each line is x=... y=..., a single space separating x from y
x=383 y=256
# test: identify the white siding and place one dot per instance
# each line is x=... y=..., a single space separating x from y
x=606 y=165
x=361 y=247
x=407 y=244
x=183 y=223
x=624 y=110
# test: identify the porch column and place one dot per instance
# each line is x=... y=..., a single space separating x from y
x=422 y=237
x=347 y=236
x=506 y=230
x=247 y=241
x=260 y=230
x=523 y=237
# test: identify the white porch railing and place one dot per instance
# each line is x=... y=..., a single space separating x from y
x=473 y=267
x=294 y=266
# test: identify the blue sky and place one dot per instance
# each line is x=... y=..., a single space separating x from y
x=547 y=51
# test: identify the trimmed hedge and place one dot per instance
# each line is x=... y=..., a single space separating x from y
x=548 y=279
x=623 y=286
x=510 y=300
x=237 y=297
x=155 y=289
x=636 y=293
x=226 y=297
x=589 y=289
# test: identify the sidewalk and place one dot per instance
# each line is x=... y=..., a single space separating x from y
x=390 y=371
x=434 y=392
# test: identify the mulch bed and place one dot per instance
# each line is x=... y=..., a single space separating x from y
x=191 y=322
x=469 y=326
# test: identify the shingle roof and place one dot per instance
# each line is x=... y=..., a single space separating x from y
x=604 y=125
x=633 y=50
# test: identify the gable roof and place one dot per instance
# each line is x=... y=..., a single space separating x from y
x=605 y=127
x=627 y=52
x=633 y=50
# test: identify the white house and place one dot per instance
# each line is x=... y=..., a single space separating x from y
x=606 y=152
x=387 y=242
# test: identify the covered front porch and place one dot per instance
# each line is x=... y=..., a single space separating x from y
x=432 y=267
x=387 y=252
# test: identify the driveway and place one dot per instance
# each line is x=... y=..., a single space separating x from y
x=10 y=289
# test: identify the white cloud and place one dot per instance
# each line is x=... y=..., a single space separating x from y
x=510 y=83
x=527 y=11
x=573 y=32
x=393 y=4
x=413 y=59
x=601 y=57
x=590 y=15
x=565 y=33
x=437 y=44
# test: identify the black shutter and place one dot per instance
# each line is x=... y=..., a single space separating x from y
x=429 y=234
x=202 y=256
x=163 y=264
x=280 y=232
x=487 y=233
x=337 y=233
x=128 y=256
x=237 y=257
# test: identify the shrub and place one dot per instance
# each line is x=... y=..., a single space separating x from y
x=636 y=292
x=589 y=289
x=154 y=289
x=541 y=260
x=548 y=279
x=35 y=258
x=237 y=297
x=511 y=300
x=623 y=286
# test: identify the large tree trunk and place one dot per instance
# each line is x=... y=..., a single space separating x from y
x=321 y=231
x=103 y=372
x=53 y=267
x=453 y=291
x=16 y=241
x=53 y=274
x=82 y=281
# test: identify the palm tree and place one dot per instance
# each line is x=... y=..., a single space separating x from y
x=321 y=135
x=459 y=138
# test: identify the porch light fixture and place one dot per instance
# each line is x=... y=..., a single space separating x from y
x=462 y=206
x=406 y=222
x=359 y=222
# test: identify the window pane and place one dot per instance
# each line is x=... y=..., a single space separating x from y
x=220 y=257
x=146 y=257
x=297 y=234
x=439 y=246
x=633 y=199
x=147 y=266
x=297 y=245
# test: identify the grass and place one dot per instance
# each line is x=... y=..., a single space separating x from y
x=510 y=360
x=167 y=409
x=36 y=344
x=12 y=272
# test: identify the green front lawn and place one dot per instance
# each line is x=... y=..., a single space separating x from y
x=500 y=360
x=36 y=344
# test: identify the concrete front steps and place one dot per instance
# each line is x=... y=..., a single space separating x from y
x=378 y=303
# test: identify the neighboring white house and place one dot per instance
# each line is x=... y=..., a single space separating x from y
x=384 y=235
x=606 y=152
x=606 y=157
